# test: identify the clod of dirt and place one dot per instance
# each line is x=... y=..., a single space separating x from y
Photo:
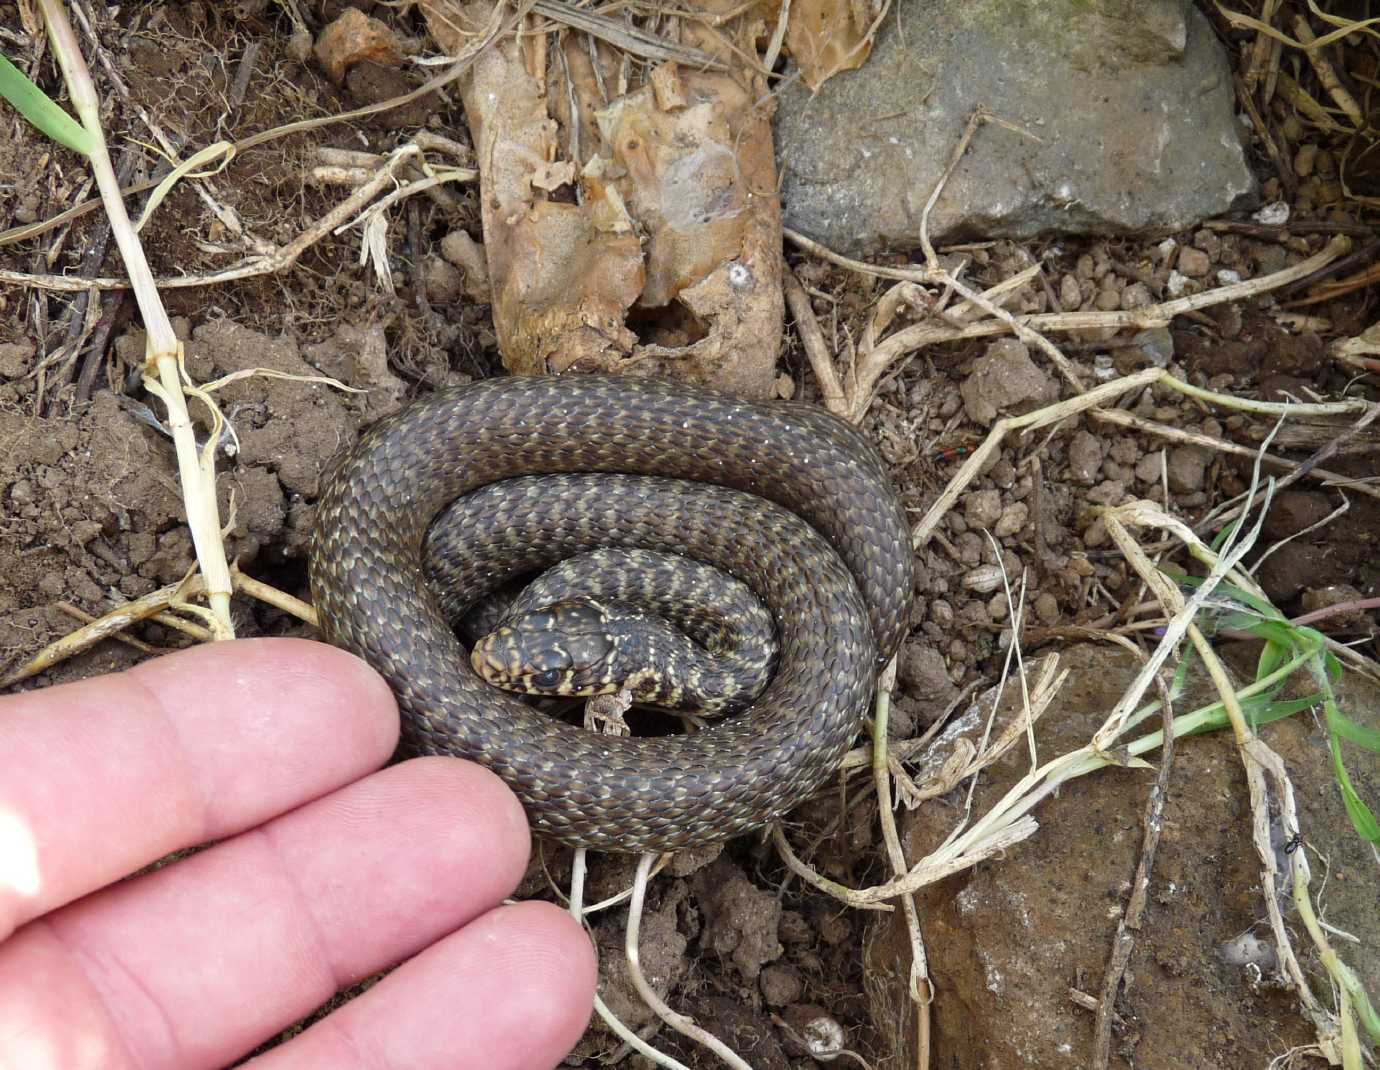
x=1005 y=378
x=740 y=920
x=1293 y=567
x=85 y=503
x=357 y=355
x=982 y=508
x=16 y=358
x=1085 y=458
x=1187 y=467
x=1334 y=594
x=925 y=678
x=1292 y=511
x=291 y=428
x=354 y=37
x=781 y=985
x=468 y=255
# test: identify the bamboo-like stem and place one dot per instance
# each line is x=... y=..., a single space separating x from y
x=163 y=352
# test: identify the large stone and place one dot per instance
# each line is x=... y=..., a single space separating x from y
x=1128 y=108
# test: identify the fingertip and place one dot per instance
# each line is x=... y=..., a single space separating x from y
x=550 y=948
x=464 y=811
x=286 y=675
x=512 y=990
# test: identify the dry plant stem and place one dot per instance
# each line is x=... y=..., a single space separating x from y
x=1150 y=427
x=626 y=38
x=1257 y=758
x=577 y=910
x=802 y=869
x=163 y=353
x=816 y=348
x=1148 y=316
x=1327 y=75
x=679 y=1022
x=1260 y=49
x=921 y=990
x=153 y=606
x=128 y=640
x=280 y=260
x=1039 y=418
x=1130 y=920
x=103 y=628
x=1006 y=825
x=1350 y=1039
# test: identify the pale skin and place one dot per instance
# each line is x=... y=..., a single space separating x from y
x=326 y=868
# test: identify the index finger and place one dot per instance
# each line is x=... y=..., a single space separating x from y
x=104 y=776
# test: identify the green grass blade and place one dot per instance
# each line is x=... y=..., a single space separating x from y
x=35 y=105
x=1361 y=817
x=1352 y=732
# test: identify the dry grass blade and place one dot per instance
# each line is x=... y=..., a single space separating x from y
x=628 y=38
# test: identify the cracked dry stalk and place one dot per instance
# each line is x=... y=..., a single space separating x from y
x=163 y=352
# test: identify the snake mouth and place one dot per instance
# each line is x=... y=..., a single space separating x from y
x=487 y=662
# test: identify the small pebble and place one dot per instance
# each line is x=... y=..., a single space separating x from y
x=982 y=509
x=1193 y=262
x=1274 y=214
x=1013 y=520
x=1085 y=458
x=1108 y=492
x=1187 y=467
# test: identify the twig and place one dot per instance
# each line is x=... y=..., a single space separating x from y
x=625 y=37
x=151 y=605
x=1130 y=920
x=921 y=992
x=1327 y=74
x=812 y=338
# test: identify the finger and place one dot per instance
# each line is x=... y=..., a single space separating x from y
x=512 y=991
x=193 y=964
x=104 y=776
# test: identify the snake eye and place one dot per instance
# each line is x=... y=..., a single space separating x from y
x=548 y=679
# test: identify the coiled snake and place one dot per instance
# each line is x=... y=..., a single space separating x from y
x=439 y=504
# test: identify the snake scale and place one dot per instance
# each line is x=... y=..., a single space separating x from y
x=441 y=503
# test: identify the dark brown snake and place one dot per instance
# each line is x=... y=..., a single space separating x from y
x=413 y=525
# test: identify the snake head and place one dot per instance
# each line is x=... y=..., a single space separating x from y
x=565 y=648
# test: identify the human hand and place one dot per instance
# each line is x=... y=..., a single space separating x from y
x=325 y=872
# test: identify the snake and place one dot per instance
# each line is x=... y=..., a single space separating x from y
x=440 y=504
x=666 y=630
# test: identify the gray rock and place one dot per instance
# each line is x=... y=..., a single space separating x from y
x=1129 y=106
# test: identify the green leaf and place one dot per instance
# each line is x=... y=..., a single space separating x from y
x=35 y=105
x=1353 y=732
x=1361 y=817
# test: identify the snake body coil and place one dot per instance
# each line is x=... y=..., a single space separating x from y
x=472 y=486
